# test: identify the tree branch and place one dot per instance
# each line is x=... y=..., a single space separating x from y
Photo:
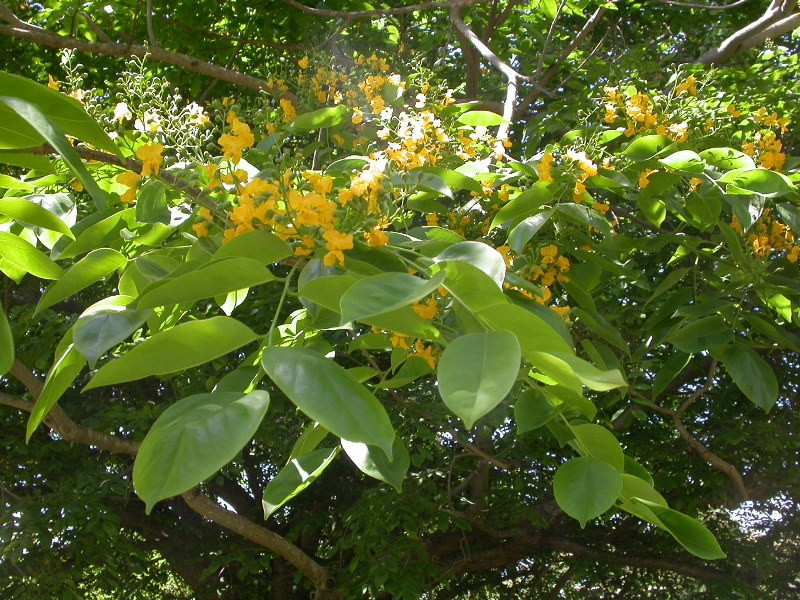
x=70 y=431
x=712 y=7
x=22 y=30
x=779 y=18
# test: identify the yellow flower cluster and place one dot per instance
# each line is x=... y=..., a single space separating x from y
x=640 y=112
x=151 y=157
x=544 y=166
x=417 y=141
x=587 y=169
x=239 y=139
x=768 y=236
x=767 y=148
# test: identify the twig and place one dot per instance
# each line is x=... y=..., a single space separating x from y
x=151 y=35
x=736 y=4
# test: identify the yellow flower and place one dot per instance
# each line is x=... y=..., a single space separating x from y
x=548 y=254
x=131 y=180
x=426 y=352
x=201 y=229
x=289 y=110
x=376 y=238
x=336 y=243
x=543 y=168
x=52 y=83
x=732 y=111
x=428 y=311
x=644 y=178
x=688 y=85
x=151 y=158
x=578 y=191
x=399 y=341
x=303 y=63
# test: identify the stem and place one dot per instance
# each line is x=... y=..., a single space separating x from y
x=278 y=309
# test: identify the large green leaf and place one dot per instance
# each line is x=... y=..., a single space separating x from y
x=482 y=118
x=182 y=347
x=751 y=374
x=192 y=440
x=533 y=332
x=66 y=367
x=330 y=116
x=532 y=410
x=385 y=292
x=55 y=137
x=687 y=161
x=90 y=269
x=327 y=394
x=759 y=181
x=591 y=376
x=479 y=255
x=205 y=281
x=477 y=371
x=106 y=324
x=647 y=146
x=372 y=461
x=93 y=232
x=296 y=476
x=524 y=205
x=469 y=285
x=66 y=113
x=597 y=441
x=586 y=487
x=23 y=255
x=258 y=244
x=689 y=533
x=30 y=213
x=6 y=343
x=727 y=158
x=524 y=231
x=703 y=334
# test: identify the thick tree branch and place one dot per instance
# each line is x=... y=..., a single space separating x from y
x=511 y=75
x=66 y=428
x=21 y=30
x=711 y=7
x=778 y=19
x=682 y=567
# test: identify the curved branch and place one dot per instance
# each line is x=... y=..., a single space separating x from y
x=22 y=30
x=67 y=429
x=778 y=19
x=712 y=7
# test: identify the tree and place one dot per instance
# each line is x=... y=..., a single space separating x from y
x=470 y=299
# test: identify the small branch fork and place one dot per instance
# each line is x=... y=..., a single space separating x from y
x=69 y=430
x=712 y=459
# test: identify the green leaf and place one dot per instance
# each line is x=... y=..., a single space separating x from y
x=206 y=281
x=330 y=116
x=182 y=347
x=258 y=245
x=703 y=334
x=591 y=376
x=68 y=363
x=22 y=209
x=636 y=487
x=586 y=487
x=327 y=394
x=102 y=328
x=96 y=233
x=532 y=410
x=524 y=205
x=192 y=440
x=151 y=203
x=533 y=332
x=91 y=268
x=670 y=369
x=51 y=133
x=25 y=256
x=477 y=371
x=646 y=147
x=597 y=441
x=653 y=209
x=482 y=118
x=66 y=113
x=757 y=181
x=689 y=533
x=308 y=441
x=479 y=255
x=469 y=285
x=751 y=374
x=372 y=461
x=423 y=182
x=727 y=159
x=6 y=344
x=455 y=180
x=296 y=476
x=687 y=161
x=524 y=231
x=385 y=292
